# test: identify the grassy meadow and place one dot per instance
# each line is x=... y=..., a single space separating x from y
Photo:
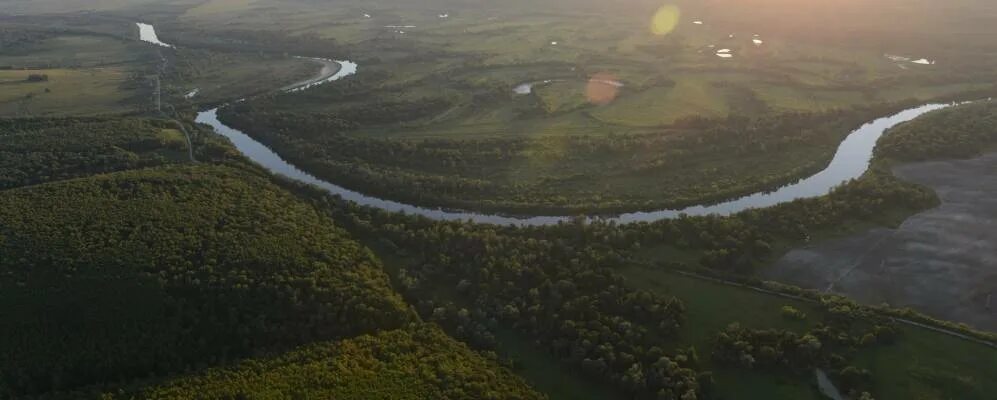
x=67 y=92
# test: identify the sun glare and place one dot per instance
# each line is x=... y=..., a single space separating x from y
x=665 y=20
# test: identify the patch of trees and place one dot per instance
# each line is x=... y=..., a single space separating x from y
x=958 y=132
x=415 y=363
x=847 y=329
x=561 y=293
x=44 y=150
x=144 y=273
x=37 y=78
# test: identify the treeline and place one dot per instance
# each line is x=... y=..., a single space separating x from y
x=41 y=150
x=957 y=132
x=312 y=124
x=144 y=273
x=418 y=362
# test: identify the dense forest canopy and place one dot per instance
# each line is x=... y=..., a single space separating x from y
x=141 y=256
x=41 y=150
x=190 y=265
x=417 y=362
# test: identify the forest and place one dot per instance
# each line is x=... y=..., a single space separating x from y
x=416 y=362
x=129 y=270
x=961 y=132
x=41 y=150
x=190 y=265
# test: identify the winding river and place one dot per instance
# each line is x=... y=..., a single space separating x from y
x=850 y=161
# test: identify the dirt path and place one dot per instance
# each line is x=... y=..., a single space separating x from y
x=942 y=262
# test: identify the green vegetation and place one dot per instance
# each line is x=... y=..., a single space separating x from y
x=930 y=365
x=432 y=117
x=29 y=49
x=221 y=77
x=91 y=70
x=43 y=150
x=126 y=274
x=66 y=92
x=959 y=132
x=760 y=152
x=416 y=363
x=560 y=292
x=176 y=267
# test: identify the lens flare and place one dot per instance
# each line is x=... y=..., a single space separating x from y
x=665 y=20
x=602 y=88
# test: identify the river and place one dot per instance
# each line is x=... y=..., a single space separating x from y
x=851 y=160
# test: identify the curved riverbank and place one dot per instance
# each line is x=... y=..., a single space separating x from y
x=330 y=71
x=850 y=161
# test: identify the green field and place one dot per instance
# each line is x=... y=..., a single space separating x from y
x=921 y=365
x=68 y=92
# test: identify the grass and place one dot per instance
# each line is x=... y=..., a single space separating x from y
x=87 y=73
x=661 y=105
x=711 y=307
x=562 y=96
x=922 y=365
x=67 y=92
x=928 y=365
x=222 y=77
x=80 y=51
x=512 y=44
x=475 y=58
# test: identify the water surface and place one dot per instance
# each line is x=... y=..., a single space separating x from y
x=850 y=161
x=147 y=33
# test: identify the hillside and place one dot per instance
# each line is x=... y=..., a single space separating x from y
x=415 y=363
x=125 y=275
